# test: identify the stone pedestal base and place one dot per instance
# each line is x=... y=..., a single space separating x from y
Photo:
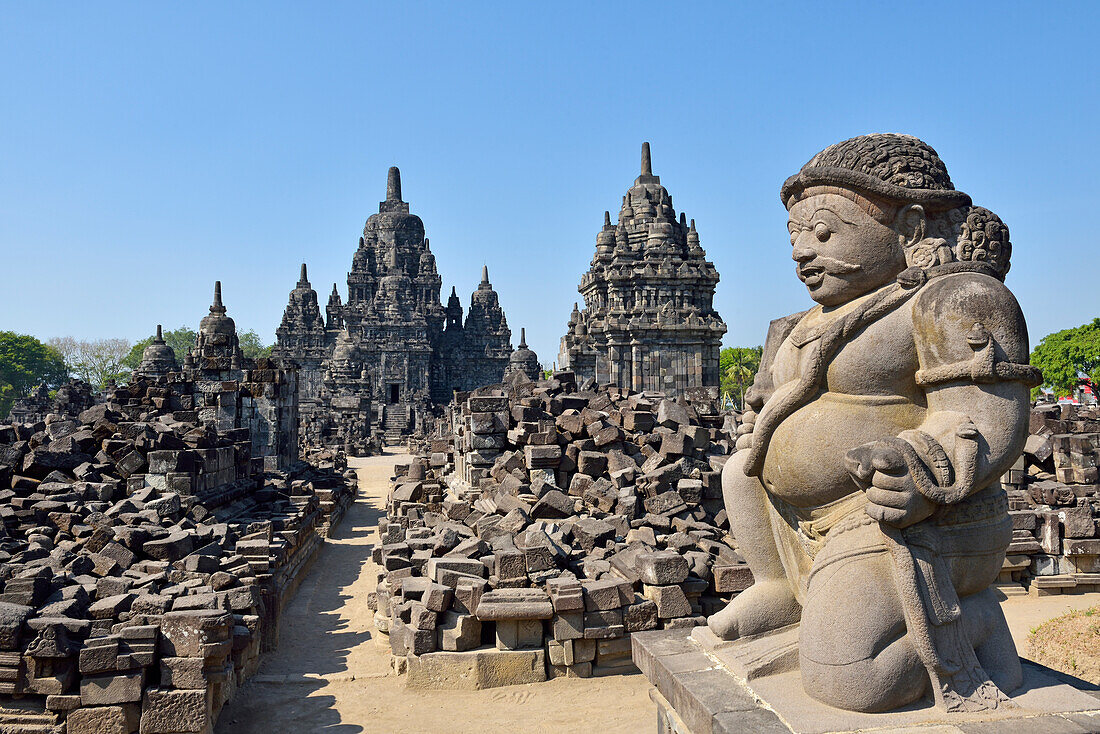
x=707 y=686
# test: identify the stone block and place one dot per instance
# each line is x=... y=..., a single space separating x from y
x=110 y=689
x=476 y=669
x=103 y=720
x=661 y=567
x=731 y=579
x=567 y=625
x=182 y=673
x=670 y=600
x=606 y=594
x=518 y=634
x=459 y=632
x=176 y=712
x=513 y=604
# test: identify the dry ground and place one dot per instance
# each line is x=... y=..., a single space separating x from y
x=1069 y=643
x=332 y=673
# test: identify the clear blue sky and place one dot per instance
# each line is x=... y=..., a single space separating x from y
x=149 y=148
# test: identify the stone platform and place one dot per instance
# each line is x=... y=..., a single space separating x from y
x=708 y=686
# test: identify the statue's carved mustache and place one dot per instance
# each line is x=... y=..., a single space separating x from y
x=829 y=265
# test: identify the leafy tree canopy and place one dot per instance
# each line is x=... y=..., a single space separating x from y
x=1063 y=355
x=252 y=346
x=25 y=363
x=94 y=361
x=737 y=367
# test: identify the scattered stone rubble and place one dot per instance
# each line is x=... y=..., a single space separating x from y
x=1054 y=501
x=146 y=559
x=549 y=525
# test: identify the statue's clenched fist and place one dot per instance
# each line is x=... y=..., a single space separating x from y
x=892 y=496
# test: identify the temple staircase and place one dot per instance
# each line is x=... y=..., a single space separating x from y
x=395 y=422
x=27 y=720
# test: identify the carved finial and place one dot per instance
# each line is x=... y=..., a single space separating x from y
x=692 y=225
x=454 y=293
x=160 y=335
x=393 y=185
x=217 y=305
x=522 y=338
x=334 y=291
x=485 y=275
x=607 y=219
x=647 y=162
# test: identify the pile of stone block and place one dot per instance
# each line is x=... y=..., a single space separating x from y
x=146 y=561
x=554 y=521
x=1054 y=501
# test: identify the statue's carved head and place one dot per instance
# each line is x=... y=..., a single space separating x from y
x=863 y=210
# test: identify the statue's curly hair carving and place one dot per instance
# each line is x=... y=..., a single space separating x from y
x=896 y=170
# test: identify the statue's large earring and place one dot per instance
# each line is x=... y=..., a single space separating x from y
x=920 y=251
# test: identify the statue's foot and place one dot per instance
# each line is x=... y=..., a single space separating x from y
x=764 y=606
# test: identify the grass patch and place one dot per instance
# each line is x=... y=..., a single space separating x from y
x=1070 y=644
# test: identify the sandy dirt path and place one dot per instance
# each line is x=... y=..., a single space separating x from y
x=332 y=672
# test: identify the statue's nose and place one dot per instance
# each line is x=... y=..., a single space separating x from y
x=802 y=254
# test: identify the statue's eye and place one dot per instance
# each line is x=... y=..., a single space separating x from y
x=821 y=231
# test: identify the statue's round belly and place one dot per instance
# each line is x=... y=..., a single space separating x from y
x=805 y=461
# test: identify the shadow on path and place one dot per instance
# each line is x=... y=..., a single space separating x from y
x=326 y=620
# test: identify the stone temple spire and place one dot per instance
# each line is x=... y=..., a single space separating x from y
x=484 y=285
x=216 y=306
x=647 y=176
x=393 y=185
x=393 y=202
x=303 y=280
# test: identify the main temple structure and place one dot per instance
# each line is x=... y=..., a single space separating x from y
x=648 y=321
x=393 y=349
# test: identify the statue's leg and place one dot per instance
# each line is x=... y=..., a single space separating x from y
x=853 y=650
x=988 y=631
x=770 y=602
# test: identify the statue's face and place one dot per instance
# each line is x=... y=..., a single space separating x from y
x=842 y=251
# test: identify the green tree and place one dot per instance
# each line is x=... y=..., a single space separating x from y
x=181 y=340
x=25 y=363
x=95 y=361
x=738 y=366
x=252 y=346
x=1064 y=355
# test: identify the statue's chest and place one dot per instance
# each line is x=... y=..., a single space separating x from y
x=879 y=360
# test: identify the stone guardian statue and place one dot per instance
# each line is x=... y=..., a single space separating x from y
x=864 y=494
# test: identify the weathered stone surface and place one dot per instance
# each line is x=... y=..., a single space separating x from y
x=897 y=305
x=509 y=604
x=175 y=711
x=662 y=567
x=476 y=669
x=393 y=296
x=667 y=296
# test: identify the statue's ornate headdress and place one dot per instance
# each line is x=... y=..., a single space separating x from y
x=901 y=169
x=898 y=168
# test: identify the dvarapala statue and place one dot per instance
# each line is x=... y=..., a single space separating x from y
x=864 y=494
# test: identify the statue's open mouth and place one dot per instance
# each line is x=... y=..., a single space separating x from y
x=811 y=276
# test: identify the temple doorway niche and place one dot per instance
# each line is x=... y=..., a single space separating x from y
x=394 y=395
